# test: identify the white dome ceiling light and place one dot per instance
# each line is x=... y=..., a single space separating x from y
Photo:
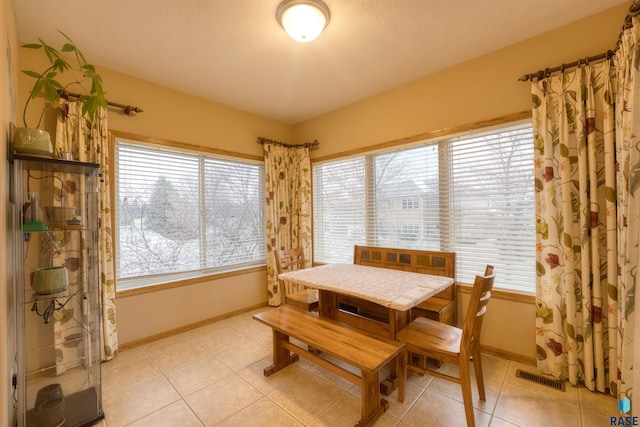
x=303 y=20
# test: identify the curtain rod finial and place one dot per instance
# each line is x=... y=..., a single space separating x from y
x=129 y=110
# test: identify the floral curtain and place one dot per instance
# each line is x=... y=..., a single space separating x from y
x=90 y=144
x=627 y=122
x=288 y=208
x=587 y=169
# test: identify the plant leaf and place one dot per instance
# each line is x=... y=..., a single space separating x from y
x=50 y=51
x=68 y=47
x=32 y=74
x=73 y=48
x=61 y=65
x=37 y=88
x=50 y=89
x=47 y=86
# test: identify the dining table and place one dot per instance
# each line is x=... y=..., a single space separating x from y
x=376 y=300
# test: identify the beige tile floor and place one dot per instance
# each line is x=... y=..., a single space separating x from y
x=212 y=376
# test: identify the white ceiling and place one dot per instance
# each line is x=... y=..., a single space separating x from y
x=234 y=52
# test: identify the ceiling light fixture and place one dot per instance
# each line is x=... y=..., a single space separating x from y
x=303 y=20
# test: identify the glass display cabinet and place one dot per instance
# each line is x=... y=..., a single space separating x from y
x=57 y=295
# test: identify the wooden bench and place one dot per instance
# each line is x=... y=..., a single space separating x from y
x=442 y=306
x=365 y=352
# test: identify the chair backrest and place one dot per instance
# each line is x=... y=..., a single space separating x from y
x=480 y=296
x=288 y=260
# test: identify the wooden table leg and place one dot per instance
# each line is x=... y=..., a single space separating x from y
x=327 y=303
x=397 y=321
x=281 y=356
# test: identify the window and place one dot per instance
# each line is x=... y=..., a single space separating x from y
x=410 y=231
x=181 y=215
x=411 y=203
x=472 y=194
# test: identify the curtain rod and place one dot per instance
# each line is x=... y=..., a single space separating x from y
x=262 y=140
x=634 y=10
x=128 y=109
x=540 y=74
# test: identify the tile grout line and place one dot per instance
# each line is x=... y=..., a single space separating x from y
x=170 y=383
x=502 y=385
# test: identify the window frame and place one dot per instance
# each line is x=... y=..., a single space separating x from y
x=172 y=280
x=437 y=137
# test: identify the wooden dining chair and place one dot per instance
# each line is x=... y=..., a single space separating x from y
x=290 y=260
x=428 y=338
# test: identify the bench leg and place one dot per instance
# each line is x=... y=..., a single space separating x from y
x=372 y=405
x=281 y=356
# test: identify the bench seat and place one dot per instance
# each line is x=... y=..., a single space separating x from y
x=360 y=350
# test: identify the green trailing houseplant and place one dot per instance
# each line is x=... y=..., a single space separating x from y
x=68 y=60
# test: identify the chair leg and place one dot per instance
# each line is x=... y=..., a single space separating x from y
x=467 y=397
x=477 y=365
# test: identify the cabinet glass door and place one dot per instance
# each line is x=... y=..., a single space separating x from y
x=58 y=301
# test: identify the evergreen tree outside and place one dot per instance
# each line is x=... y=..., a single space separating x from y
x=167 y=215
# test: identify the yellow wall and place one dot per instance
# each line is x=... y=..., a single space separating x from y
x=480 y=89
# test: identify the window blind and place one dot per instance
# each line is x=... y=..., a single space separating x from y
x=471 y=194
x=182 y=215
x=339 y=213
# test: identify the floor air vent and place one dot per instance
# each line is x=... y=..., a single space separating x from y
x=549 y=382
